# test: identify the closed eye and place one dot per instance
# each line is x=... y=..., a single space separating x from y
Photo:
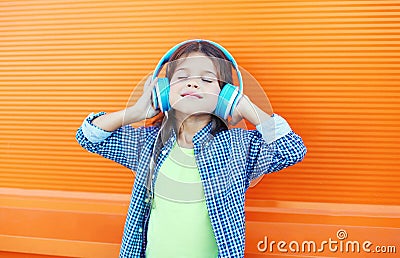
x=181 y=78
x=208 y=80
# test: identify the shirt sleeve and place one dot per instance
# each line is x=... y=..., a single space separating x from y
x=92 y=132
x=273 y=147
x=122 y=145
x=274 y=128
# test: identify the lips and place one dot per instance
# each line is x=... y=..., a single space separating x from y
x=191 y=94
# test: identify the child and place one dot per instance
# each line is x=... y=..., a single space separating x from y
x=192 y=172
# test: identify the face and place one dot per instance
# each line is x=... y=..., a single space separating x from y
x=194 y=87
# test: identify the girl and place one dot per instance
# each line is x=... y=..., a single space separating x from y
x=192 y=172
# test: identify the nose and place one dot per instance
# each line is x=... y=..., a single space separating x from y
x=193 y=84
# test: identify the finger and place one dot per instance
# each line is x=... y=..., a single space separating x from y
x=150 y=83
x=153 y=82
x=148 y=80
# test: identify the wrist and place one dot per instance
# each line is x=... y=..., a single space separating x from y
x=133 y=114
x=254 y=114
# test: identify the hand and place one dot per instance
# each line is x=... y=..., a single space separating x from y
x=144 y=103
x=246 y=109
x=241 y=109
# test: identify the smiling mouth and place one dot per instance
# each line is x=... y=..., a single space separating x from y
x=191 y=95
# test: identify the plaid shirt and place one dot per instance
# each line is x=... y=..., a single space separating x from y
x=227 y=163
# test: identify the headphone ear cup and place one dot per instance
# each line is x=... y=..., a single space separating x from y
x=227 y=101
x=160 y=95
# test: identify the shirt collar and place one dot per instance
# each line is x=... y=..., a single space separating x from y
x=204 y=134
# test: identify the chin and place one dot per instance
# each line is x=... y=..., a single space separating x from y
x=194 y=108
x=195 y=112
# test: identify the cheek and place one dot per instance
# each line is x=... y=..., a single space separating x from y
x=174 y=91
x=212 y=96
x=214 y=92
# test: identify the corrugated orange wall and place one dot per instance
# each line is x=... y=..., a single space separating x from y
x=330 y=67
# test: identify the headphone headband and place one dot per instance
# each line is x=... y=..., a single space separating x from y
x=168 y=55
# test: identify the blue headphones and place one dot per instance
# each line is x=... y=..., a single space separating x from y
x=227 y=99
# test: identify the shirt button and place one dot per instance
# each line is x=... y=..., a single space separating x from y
x=146 y=200
x=164 y=152
x=140 y=230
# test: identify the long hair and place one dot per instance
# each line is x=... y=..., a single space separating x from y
x=165 y=122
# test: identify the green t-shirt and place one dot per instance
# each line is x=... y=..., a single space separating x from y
x=179 y=224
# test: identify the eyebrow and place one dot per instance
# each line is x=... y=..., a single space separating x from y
x=207 y=71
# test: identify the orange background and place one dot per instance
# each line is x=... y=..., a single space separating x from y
x=331 y=68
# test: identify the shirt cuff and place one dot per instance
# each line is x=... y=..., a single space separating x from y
x=92 y=132
x=274 y=128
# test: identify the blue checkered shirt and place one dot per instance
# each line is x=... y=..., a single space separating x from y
x=227 y=163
